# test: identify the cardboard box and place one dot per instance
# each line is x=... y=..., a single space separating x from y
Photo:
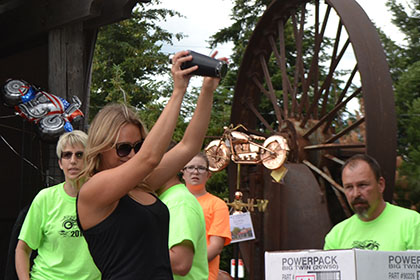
x=351 y=264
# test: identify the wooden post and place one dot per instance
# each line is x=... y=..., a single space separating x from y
x=70 y=51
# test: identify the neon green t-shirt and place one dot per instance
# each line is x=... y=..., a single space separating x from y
x=186 y=222
x=396 y=229
x=51 y=228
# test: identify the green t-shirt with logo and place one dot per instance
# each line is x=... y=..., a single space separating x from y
x=51 y=228
x=396 y=229
x=186 y=222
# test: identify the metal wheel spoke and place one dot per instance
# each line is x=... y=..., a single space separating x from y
x=346 y=130
x=281 y=61
x=333 y=112
x=334 y=159
x=348 y=84
x=272 y=96
x=337 y=107
x=300 y=68
x=324 y=175
x=334 y=146
x=313 y=75
x=327 y=83
x=297 y=72
x=333 y=56
x=260 y=86
x=338 y=194
x=259 y=116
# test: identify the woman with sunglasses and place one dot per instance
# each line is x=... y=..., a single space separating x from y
x=50 y=225
x=124 y=223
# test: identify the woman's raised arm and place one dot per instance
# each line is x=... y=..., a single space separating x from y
x=107 y=186
x=175 y=159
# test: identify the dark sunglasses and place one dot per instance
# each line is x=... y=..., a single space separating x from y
x=68 y=155
x=124 y=149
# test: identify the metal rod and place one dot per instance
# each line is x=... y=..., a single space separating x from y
x=335 y=159
x=259 y=116
x=238 y=179
x=334 y=146
x=325 y=118
x=324 y=175
x=271 y=91
x=344 y=131
x=339 y=195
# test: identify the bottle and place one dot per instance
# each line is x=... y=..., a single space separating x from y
x=207 y=66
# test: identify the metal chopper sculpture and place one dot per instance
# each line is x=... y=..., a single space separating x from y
x=52 y=114
x=243 y=148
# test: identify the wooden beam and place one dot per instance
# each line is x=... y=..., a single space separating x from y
x=6 y=6
x=36 y=17
x=113 y=11
x=22 y=23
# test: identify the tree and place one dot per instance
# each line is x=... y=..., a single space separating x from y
x=127 y=58
x=409 y=25
x=408 y=110
x=405 y=71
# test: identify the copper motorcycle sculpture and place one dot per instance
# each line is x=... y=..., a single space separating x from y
x=243 y=148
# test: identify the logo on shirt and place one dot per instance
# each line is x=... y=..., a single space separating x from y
x=366 y=245
x=69 y=227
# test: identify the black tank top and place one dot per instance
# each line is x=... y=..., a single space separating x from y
x=132 y=242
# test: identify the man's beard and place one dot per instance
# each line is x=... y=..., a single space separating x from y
x=362 y=209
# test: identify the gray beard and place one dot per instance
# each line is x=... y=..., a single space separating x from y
x=362 y=213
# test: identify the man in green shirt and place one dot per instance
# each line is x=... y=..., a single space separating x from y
x=376 y=224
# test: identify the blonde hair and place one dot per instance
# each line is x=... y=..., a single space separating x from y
x=103 y=133
x=73 y=138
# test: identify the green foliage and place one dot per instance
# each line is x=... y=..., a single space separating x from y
x=245 y=15
x=395 y=56
x=408 y=87
x=408 y=108
x=409 y=25
x=404 y=60
x=401 y=56
x=127 y=57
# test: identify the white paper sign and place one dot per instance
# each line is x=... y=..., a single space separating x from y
x=241 y=227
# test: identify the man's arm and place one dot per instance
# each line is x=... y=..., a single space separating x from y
x=181 y=256
x=215 y=247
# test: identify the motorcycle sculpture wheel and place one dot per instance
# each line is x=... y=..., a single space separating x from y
x=218 y=155
x=276 y=152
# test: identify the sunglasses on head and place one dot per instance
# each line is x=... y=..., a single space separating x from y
x=68 y=155
x=124 y=149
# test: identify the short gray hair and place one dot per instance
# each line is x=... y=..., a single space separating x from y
x=73 y=138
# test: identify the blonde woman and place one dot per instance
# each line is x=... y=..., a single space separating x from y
x=124 y=223
x=50 y=225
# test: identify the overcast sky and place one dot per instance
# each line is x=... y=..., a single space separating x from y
x=204 y=18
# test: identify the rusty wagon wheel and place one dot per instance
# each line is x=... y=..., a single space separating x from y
x=306 y=66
